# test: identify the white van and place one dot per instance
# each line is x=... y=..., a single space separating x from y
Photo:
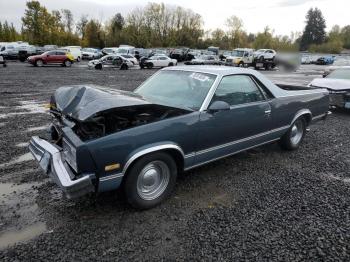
x=75 y=52
x=126 y=50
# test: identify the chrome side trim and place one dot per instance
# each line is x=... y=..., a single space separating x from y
x=300 y=113
x=190 y=155
x=150 y=150
x=106 y=178
x=319 y=117
x=241 y=140
x=230 y=154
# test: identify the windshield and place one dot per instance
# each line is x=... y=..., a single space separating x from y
x=238 y=53
x=340 y=74
x=177 y=88
x=122 y=51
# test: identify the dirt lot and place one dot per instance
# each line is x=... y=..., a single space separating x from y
x=265 y=204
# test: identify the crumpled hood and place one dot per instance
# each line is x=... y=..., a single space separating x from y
x=82 y=102
x=332 y=84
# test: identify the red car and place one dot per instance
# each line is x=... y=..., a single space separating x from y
x=52 y=57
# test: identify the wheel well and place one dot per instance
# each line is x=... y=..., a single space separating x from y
x=307 y=118
x=177 y=155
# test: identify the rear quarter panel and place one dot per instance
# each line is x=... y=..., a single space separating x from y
x=285 y=108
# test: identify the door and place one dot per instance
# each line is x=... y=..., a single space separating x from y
x=61 y=57
x=163 y=61
x=51 y=57
x=245 y=124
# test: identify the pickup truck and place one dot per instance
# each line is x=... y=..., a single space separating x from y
x=179 y=119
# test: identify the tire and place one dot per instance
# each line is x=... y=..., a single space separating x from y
x=124 y=67
x=241 y=64
x=295 y=135
x=98 y=66
x=261 y=59
x=4 y=65
x=159 y=165
x=39 y=63
x=171 y=64
x=150 y=65
x=67 y=63
x=78 y=59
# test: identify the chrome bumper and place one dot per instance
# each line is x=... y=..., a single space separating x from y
x=50 y=160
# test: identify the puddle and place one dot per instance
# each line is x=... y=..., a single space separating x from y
x=23 y=144
x=37 y=128
x=28 y=107
x=13 y=237
x=23 y=158
x=19 y=213
x=7 y=189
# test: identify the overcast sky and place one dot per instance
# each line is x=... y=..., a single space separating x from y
x=284 y=16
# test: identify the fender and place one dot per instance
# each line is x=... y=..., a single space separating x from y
x=300 y=113
x=149 y=149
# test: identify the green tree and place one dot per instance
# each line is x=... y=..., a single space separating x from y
x=115 y=30
x=345 y=33
x=314 y=32
x=94 y=35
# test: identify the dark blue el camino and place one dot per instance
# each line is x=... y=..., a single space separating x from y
x=180 y=118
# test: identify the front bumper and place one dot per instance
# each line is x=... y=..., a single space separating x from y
x=50 y=160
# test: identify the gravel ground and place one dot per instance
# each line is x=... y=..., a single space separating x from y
x=265 y=204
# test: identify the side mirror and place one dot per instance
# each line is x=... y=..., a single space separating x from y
x=219 y=106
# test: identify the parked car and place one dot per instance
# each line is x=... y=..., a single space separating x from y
x=224 y=55
x=50 y=47
x=338 y=84
x=204 y=60
x=58 y=57
x=306 y=60
x=264 y=54
x=157 y=61
x=325 y=60
x=91 y=53
x=242 y=57
x=180 y=118
x=23 y=52
x=338 y=64
x=75 y=51
x=9 y=51
x=130 y=58
x=2 y=61
x=110 y=61
x=109 y=50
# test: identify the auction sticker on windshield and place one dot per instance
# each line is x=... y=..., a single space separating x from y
x=199 y=77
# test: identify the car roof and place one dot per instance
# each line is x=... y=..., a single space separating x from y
x=216 y=70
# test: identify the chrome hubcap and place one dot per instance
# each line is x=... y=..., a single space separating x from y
x=153 y=180
x=296 y=132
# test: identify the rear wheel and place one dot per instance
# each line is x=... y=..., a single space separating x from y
x=295 y=135
x=150 y=65
x=150 y=180
x=241 y=64
x=78 y=59
x=171 y=64
x=67 y=63
x=39 y=63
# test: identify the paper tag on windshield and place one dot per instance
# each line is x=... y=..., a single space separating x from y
x=199 y=77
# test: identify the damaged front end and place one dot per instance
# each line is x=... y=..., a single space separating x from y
x=84 y=113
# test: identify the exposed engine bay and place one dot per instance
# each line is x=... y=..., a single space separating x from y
x=115 y=120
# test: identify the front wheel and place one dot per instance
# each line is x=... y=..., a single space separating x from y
x=124 y=67
x=150 y=180
x=39 y=63
x=295 y=135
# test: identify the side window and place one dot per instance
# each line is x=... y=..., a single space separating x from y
x=236 y=90
x=60 y=53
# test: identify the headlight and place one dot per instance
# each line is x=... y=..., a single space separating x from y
x=70 y=154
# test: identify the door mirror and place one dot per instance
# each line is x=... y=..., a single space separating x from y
x=218 y=106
